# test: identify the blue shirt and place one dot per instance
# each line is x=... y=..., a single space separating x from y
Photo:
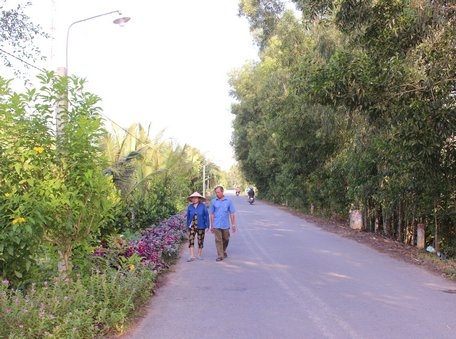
x=221 y=209
x=201 y=214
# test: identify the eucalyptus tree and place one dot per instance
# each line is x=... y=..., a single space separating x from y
x=308 y=131
x=395 y=75
x=250 y=134
x=281 y=137
x=354 y=104
x=411 y=49
x=261 y=90
x=263 y=17
x=315 y=9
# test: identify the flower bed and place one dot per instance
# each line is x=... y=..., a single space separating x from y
x=100 y=300
x=159 y=244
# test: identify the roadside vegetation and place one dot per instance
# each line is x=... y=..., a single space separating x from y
x=88 y=218
x=351 y=106
x=90 y=214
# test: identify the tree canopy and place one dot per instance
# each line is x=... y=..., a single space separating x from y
x=18 y=36
x=352 y=106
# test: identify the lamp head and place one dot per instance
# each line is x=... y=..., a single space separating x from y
x=121 y=21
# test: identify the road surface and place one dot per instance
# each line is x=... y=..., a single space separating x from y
x=286 y=278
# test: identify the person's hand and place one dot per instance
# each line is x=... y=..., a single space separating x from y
x=234 y=228
x=212 y=229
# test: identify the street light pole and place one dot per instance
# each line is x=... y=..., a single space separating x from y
x=119 y=21
x=62 y=105
x=204 y=180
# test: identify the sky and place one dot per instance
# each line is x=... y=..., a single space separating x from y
x=167 y=68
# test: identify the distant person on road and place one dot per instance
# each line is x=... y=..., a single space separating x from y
x=197 y=224
x=251 y=192
x=221 y=216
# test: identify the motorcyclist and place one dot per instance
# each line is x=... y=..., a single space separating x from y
x=251 y=193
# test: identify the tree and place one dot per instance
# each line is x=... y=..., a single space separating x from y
x=263 y=16
x=51 y=193
x=354 y=105
x=18 y=36
x=153 y=175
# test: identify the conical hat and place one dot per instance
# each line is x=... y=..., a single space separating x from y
x=195 y=194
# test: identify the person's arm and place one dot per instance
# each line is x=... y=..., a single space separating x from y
x=211 y=222
x=232 y=217
x=206 y=218
x=211 y=216
x=233 y=222
x=188 y=217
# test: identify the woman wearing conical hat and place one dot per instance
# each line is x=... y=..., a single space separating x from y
x=197 y=224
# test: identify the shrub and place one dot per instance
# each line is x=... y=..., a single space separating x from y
x=94 y=302
x=157 y=246
x=78 y=308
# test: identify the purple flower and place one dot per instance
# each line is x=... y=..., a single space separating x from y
x=154 y=246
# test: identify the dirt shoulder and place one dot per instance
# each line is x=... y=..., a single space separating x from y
x=396 y=249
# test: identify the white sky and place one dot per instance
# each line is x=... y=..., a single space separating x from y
x=167 y=67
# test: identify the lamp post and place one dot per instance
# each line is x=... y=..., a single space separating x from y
x=204 y=180
x=62 y=106
x=119 y=21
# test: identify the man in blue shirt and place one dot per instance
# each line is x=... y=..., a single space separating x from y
x=221 y=216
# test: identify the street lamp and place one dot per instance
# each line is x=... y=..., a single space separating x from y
x=62 y=105
x=119 y=21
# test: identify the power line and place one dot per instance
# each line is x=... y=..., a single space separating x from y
x=41 y=69
x=25 y=62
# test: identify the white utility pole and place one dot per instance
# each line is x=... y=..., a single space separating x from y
x=204 y=180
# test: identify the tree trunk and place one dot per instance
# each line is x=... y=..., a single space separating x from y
x=384 y=223
x=399 y=221
x=377 y=221
x=366 y=217
x=64 y=265
x=436 y=233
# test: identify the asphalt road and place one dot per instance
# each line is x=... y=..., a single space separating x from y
x=287 y=278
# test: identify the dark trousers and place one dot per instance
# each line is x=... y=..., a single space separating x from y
x=222 y=238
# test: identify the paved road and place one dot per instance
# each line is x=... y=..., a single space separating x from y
x=286 y=278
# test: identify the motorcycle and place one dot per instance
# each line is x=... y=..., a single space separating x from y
x=251 y=200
